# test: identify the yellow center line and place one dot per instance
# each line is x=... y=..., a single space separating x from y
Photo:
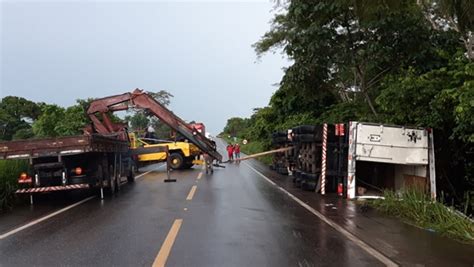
x=165 y=249
x=191 y=192
x=199 y=175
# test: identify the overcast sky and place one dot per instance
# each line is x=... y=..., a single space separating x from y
x=59 y=51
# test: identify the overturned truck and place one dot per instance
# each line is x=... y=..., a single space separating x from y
x=283 y=161
x=360 y=160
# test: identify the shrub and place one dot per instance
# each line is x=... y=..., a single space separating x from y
x=9 y=172
x=416 y=207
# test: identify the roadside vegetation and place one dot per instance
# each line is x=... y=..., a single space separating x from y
x=9 y=173
x=415 y=207
x=397 y=62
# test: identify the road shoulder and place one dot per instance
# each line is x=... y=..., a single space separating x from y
x=405 y=244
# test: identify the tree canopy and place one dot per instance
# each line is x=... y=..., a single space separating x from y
x=140 y=120
x=22 y=119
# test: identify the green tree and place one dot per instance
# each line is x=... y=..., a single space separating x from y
x=74 y=121
x=455 y=15
x=235 y=126
x=47 y=122
x=16 y=113
x=140 y=120
x=57 y=121
x=340 y=50
x=24 y=133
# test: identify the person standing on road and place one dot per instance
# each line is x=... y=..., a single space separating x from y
x=230 y=152
x=237 y=151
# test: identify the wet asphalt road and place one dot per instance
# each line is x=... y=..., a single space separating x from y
x=234 y=218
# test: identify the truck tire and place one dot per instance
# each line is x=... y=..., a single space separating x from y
x=131 y=174
x=298 y=182
x=279 y=134
x=112 y=181
x=280 y=140
x=99 y=177
x=188 y=166
x=304 y=129
x=176 y=161
x=117 y=180
x=307 y=138
x=309 y=185
x=283 y=170
x=136 y=165
x=188 y=163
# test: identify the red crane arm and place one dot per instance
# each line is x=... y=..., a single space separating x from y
x=140 y=99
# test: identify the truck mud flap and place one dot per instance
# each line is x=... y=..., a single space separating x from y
x=51 y=188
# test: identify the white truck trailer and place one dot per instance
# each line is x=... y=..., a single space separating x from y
x=389 y=156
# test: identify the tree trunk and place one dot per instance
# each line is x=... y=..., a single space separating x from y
x=369 y=101
x=468 y=40
x=363 y=89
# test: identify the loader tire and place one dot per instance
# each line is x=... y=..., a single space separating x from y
x=176 y=161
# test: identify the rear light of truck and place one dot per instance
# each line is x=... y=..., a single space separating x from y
x=24 y=178
x=78 y=171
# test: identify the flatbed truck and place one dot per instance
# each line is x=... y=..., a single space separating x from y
x=73 y=162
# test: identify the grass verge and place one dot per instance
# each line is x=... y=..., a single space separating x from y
x=416 y=207
x=9 y=172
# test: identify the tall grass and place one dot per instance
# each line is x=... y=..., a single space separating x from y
x=9 y=172
x=416 y=207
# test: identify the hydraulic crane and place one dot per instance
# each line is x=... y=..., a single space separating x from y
x=101 y=108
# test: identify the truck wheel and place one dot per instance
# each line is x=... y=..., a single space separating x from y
x=308 y=185
x=280 y=139
x=131 y=174
x=176 y=160
x=99 y=178
x=136 y=165
x=188 y=163
x=279 y=134
x=307 y=138
x=112 y=181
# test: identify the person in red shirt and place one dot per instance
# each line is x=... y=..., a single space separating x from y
x=237 y=151
x=230 y=152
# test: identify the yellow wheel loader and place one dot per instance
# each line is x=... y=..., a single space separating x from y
x=183 y=155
